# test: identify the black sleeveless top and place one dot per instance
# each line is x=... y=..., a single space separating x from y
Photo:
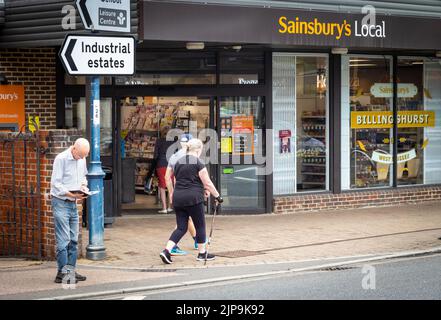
x=189 y=189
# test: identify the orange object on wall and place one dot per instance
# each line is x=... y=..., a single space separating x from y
x=243 y=135
x=12 y=107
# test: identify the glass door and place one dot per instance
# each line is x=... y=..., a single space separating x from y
x=143 y=119
x=241 y=125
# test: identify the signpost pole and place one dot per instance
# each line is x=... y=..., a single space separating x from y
x=80 y=58
x=95 y=250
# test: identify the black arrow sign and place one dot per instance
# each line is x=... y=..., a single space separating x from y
x=83 y=8
x=68 y=55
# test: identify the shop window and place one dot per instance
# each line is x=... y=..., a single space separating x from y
x=367 y=148
x=242 y=187
x=246 y=117
x=75 y=117
x=242 y=178
x=367 y=122
x=311 y=123
x=172 y=68
x=419 y=130
x=242 y=68
x=300 y=122
x=142 y=120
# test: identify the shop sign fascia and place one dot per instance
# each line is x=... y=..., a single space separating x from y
x=197 y=22
x=2 y=12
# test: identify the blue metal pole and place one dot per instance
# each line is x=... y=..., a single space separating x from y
x=95 y=250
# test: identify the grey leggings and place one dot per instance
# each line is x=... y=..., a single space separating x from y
x=196 y=213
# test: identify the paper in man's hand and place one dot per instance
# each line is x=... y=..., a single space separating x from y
x=84 y=193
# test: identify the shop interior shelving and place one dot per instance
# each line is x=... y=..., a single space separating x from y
x=314 y=156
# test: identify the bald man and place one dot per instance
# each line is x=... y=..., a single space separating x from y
x=68 y=174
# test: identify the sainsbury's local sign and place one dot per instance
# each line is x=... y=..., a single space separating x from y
x=336 y=29
x=285 y=26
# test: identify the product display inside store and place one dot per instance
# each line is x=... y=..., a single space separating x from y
x=301 y=123
x=411 y=136
x=366 y=74
x=142 y=120
x=311 y=103
x=367 y=120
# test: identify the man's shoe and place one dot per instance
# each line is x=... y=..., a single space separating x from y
x=166 y=256
x=162 y=211
x=169 y=210
x=79 y=277
x=201 y=256
x=59 y=277
x=63 y=276
x=176 y=251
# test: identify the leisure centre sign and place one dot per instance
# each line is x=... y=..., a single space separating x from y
x=105 y=15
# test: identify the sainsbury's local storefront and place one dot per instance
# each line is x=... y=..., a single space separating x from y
x=312 y=109
x=333 y=85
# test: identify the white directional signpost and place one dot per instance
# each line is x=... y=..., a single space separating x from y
x=105 y=15
x=98 y=55
x=94 y=56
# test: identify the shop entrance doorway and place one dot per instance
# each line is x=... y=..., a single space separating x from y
x=142 y=120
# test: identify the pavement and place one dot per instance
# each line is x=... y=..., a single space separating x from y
x=134 y=242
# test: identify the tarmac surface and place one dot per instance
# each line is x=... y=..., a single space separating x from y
x=240 y=243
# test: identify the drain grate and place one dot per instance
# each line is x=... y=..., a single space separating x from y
x=337 y=268
x=238 y=253
x=158 y=270
x=132 y=253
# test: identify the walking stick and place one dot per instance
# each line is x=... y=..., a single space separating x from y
x=216 y=208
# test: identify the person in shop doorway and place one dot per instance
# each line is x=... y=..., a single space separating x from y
x=68 y=175
x=169 y=178
x=160 y=157
x=192 y=182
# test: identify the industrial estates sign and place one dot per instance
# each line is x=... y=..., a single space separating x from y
x=105 y=15
x=98 y=55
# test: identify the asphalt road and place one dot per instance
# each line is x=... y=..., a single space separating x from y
x=412 y=278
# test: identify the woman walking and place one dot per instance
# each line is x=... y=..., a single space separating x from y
x=160 y=157
x=192 y=182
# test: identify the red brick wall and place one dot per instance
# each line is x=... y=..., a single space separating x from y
x=356 y=199
x=34 y=68
x=52 y=142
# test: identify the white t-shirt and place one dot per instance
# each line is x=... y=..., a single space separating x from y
x=175 y=157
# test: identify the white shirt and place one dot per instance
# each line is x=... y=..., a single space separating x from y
x=175 y=157
x=68 y=174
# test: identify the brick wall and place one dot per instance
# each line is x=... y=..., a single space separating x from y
x=16 y=216
x=35 y=68
x=356 y=199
